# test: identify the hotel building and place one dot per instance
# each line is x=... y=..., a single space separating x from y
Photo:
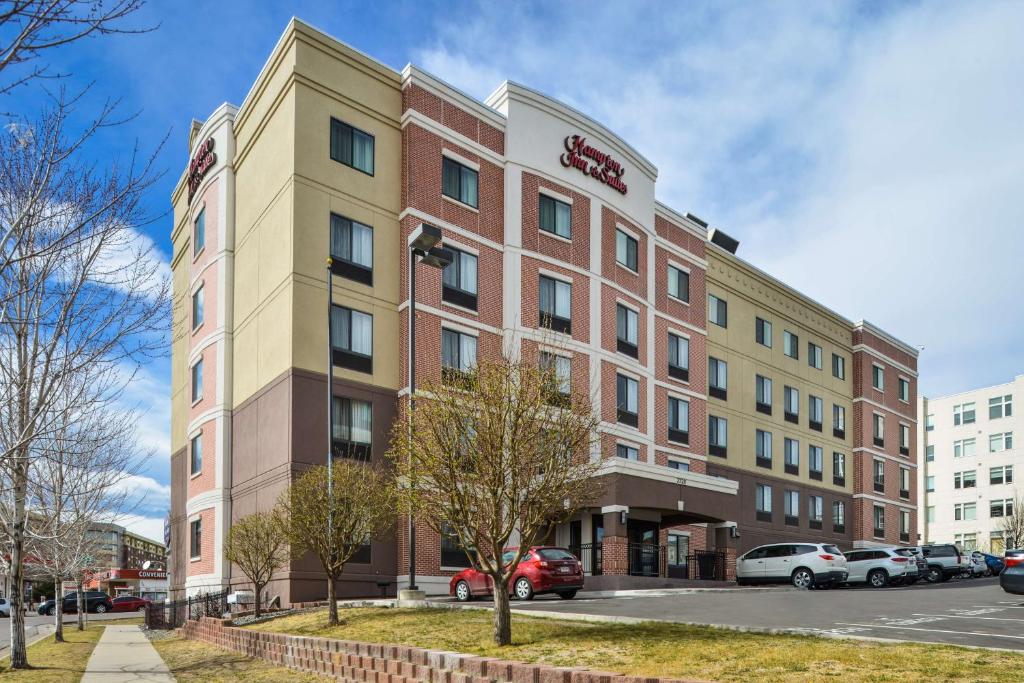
x=562 y=255
x=967 y=475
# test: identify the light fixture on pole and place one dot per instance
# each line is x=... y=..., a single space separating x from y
x=423 y=247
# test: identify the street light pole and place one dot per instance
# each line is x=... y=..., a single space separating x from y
x=330 y=409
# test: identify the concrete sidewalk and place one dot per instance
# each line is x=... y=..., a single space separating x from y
x=125 y=654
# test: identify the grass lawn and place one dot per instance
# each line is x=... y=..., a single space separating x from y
x=192 y=661
x=660 y=649
x=65 y=662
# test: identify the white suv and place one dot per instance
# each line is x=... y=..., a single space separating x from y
x=880 y=566
x=805 y=565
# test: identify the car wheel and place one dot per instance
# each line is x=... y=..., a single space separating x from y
x=523 y=589
x=878 y=578
x=50 y=612
x=934 y=575
x=803 y=578
x=462 y=593
x=567 y=595
x=101 y=608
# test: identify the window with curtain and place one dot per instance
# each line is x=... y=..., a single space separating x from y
x=352 y=428
x=459 y=182
x=678 y=284
x=763 y=448
x=352 y=249
x=626 y=399
x=197 y=380
x=459 y=280
x=679 y=357
x=561 y=369
x=351 y=146
x=626 y=325
x=555 y=304
x=352 y=338
x=196 y=454
x=555 y=216
x=678 y=420
x=458 y=351
x=626 y=250
x=197 y=308
x=199 y=233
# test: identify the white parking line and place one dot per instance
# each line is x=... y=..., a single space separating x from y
x=963 y=616
x=936 y=630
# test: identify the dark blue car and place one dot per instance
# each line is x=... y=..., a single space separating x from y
x=994 y=563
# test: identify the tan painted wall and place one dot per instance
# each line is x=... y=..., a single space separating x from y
x=752 y=294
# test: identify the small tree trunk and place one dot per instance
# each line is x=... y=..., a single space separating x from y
x=259 y=598
x=58 y=615
x=19 y=658
x=81 y=605
x=502 y=614
x=332 y=603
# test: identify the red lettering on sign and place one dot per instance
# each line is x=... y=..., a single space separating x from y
x=593 y=162
x=200 y=165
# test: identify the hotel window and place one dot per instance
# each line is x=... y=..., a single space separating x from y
x=625 y=250
x=929 y=483
x=904 y=439
x=878 y=429
x=815 y=464
x=196 y=454
x=560 y=369
x=904 y=385
x=626 y=389
x=904 y=526
x=963 y=414
x=838 y=421
x=458 y=352
x=1000 y=475
x=815 y=412
x=838 y=516
x=763 y=502
x=879 y=529
x=459 y=182
x=555 y=216
x=964 y=448
x=718 y=374
x=195 y=539
x=878 y=377
x=1001 y=508
x=763 y=394
x=718 y=435
x=929 y=423
x=878 y=475
x=763 y=332
x=197 y=308
x=815 y=510
x=452 y=553
x=1000 y=406
x=685 y=467
x=351 y=146
x=838 y=366
x=351 y=249
x=626 y=323
x=199 y=233
x=627 y=452
x=763 y=448
x=1000 y=442
x=792 y=507
x=814 y=355
x=791 y=404
x=678 y=420
x=965 y=512
x=352 y=337
x=929 y=514
x=838 y=468
x=679 y=357
x=459 y=280
x=555 y=305
x=351 y=428
x=197 y=380
x=929 y=453
x=791 y=344
x=718 y=311
x=678 y=284
x=904 y=482
x=791 y=455
x=966 y=541
x=966 y=479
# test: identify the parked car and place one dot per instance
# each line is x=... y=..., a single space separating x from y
x=975 y=565
x=129 y=603
x=805 y=565
x=543 y=569
x=878 y=567
x=5 y=608
x=1012 y=558
x=994 y=563
x=945 y=560
x=1011 y=579
x=95 y=601
x=922 y=564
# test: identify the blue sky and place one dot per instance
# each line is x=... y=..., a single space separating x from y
x=869 y=154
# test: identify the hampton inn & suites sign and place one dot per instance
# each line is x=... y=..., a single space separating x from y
x=593 y=162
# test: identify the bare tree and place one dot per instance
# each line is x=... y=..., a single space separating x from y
x=498 y=453
x=29 y=29
x=258 y=544
x=1013 y=524
x=77 y=316
x=361 y=509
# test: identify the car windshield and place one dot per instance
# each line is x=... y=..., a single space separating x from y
x=831 y=549
x=555 y=554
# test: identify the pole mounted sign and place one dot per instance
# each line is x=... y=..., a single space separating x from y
x=593 y=162
x=201 y=163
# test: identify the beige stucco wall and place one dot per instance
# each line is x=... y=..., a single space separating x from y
x=752 y=294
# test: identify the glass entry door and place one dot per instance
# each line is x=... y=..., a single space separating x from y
x=677 y=552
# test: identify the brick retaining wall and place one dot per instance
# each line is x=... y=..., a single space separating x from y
x=348 y=660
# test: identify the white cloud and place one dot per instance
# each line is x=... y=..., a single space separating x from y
x=150 y=527
x=147 y=400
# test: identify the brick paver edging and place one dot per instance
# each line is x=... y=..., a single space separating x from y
x=357 y=662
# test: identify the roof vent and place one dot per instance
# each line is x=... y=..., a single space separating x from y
x=724 y=241
x=697 y=220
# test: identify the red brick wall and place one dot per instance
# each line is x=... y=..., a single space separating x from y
x=682 y=238
x=620 y=275
x=205 y=564
x=576 y=251
x=206 y=479
x=610 y=298
x=694 y=313
x=609 y=411
x=530 y=297
x=454 y=117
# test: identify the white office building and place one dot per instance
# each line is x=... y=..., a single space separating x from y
x=972 y=466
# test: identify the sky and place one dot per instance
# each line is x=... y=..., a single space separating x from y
x=871 y=155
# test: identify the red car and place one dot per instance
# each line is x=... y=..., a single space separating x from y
x=129 y=603
x=543 y=569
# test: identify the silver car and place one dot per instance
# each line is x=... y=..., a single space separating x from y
x=878 y=567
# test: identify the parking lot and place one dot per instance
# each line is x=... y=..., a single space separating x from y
x=973 y=612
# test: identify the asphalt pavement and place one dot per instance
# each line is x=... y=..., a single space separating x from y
x=975 y=612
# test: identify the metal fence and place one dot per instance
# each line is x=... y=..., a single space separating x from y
x=708 y=565
x=175 y=613
x=589 y=555
x=646 y=559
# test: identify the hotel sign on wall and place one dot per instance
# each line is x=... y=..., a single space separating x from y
x=201 y=163
x=593 y=162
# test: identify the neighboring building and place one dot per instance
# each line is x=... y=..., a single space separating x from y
x=137 y=550
x=118 y=548
x=332 y=153
x=967 y=480
x=108 y=540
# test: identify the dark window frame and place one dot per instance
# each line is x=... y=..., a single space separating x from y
x=622 y=345
x=349 y=448
x=447 y=163
x=630 y=242
x=549 y=319
x=553 y=229
x=345 y=357
x=338 y=127
x=457 y=294
x=346 y=267
x=676 y=371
